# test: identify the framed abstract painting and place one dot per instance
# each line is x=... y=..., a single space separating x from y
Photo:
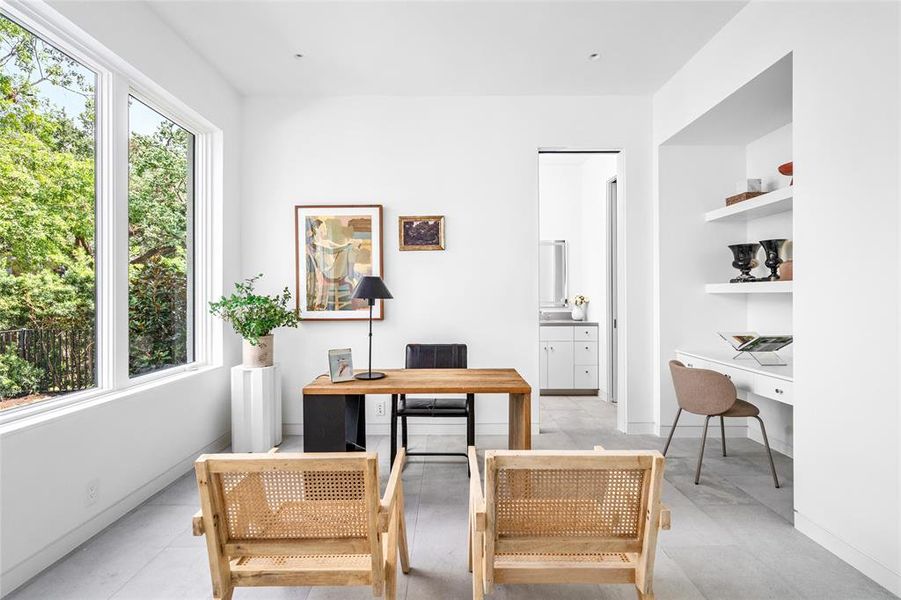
x=336 y=246
x=421 y=233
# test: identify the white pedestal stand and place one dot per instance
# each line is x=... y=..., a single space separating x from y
x=256 y=408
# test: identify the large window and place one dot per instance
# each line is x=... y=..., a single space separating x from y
x=108 y=227
x=47 y=220
x=160 y=202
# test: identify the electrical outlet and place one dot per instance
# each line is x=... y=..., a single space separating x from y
x=92 y=491
x=380 y=408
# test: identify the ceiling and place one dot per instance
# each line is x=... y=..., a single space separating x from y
x=426 y=48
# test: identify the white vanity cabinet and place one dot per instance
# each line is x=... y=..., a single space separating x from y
x=569 y=357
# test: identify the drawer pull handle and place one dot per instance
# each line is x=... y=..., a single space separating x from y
x=586 y=372
x=729 y=377
x=586 y=347
x=689 y=365
x=778 y=391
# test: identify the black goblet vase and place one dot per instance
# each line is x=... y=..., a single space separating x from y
x=772 y=248
x=744 y=255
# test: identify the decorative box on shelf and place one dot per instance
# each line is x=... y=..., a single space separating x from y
x=256 y=408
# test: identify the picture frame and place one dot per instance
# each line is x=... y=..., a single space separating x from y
x=421 y=233
x=336 y=245
x=340 y=365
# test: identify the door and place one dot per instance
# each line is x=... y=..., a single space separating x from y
x=560 y=365
x=612 y=324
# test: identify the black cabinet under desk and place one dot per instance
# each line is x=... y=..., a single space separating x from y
x=334 y=423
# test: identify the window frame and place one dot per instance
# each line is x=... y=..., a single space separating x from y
x=116 y=80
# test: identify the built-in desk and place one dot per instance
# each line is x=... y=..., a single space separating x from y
x=772 y=387
x=747 y=375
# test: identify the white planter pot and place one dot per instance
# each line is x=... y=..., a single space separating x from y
x=259 y=355
x=578 y=313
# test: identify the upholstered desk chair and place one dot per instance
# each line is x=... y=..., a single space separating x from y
x=301 y=520
x=712 y=394
x=560 y=517
x=433 y=356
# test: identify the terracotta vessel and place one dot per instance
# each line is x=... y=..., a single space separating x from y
x=788 y=169
x=786 y=270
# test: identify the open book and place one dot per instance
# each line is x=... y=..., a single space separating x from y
x=749 y=341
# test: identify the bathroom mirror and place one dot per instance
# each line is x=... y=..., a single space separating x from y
x=552 y=273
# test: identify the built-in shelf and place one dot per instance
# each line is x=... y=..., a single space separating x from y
x=754 y=287
x=770 y=203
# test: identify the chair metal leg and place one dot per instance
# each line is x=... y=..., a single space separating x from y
x=701 y=453
x=403 y=432
x=723 y=433
x=671 y=431
x=769 y=452
x=470 y=426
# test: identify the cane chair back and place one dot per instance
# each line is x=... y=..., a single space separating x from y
x=296 y=519
x=568 y=517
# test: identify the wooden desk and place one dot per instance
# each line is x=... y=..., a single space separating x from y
x=334 y=419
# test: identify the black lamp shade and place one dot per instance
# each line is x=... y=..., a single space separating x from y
x=372 y=287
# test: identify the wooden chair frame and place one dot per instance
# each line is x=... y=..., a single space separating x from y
x=485 y=546
x=322 y=562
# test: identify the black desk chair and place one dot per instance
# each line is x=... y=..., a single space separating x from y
x=433 y=356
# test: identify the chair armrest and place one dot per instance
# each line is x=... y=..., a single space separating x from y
x=197 y=523
x=599 y=448
x=665 y=517
x=476 y=499
x=389 y=500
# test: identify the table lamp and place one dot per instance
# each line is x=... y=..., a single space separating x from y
x=371 y=288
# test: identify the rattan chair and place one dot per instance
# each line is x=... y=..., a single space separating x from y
x=301 y=520
x=565 y=517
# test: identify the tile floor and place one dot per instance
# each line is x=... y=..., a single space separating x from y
x=731 y=539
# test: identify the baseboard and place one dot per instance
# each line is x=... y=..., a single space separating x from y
x=777 y=445
x=32 y=566
x=695 y=431
x=867 y=565
x=422 y=428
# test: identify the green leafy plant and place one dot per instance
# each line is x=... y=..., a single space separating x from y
x=251 y=315
x=18 y=377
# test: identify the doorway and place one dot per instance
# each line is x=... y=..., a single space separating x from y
x=578 y=271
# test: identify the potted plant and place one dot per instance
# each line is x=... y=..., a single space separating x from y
x=580 y=308
x=253 y=317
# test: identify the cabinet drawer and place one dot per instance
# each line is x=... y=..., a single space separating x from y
x=744 y=381
x=563 y=333
x=585 y=377
x=771 y=387
x=691 y=362
x=588 y=332
x=585 y=353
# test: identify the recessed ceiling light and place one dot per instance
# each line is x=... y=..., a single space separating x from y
x=594 y=56
x=298 y=55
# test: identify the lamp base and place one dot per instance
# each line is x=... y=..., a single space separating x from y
x=369 y=375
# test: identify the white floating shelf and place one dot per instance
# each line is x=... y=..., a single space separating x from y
x=753 y=287
x=770 y=203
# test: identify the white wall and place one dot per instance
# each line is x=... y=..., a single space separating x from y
x=138 y=443
x=845 y=146
x=472 y=159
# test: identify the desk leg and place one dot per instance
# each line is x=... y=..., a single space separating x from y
x=520 y=418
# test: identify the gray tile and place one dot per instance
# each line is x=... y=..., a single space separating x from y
x=731 y=536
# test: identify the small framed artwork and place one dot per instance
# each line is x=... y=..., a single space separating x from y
x=340 y=365
x=421 y=233
x=335 y=247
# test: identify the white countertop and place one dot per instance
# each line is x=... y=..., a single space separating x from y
x=724 y=356
x=561 y=323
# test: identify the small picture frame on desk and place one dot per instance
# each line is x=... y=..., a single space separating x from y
x=340 y=365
